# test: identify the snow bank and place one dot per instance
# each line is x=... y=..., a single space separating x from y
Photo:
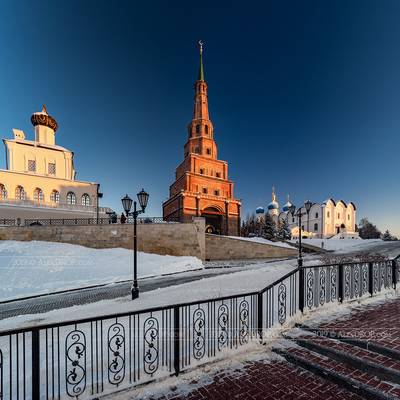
x=341 y=244
x=264 y=241
x=206 y=288
x=29 y=268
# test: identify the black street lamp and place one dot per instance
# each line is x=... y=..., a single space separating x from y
x=308 y=205
x=299 y=214
x=143 y=198
x=292 y=210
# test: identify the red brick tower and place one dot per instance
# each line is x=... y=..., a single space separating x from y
x=201 y=186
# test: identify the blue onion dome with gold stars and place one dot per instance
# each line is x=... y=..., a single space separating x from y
x=44 y=119
x=260 y=210
x=287 y=206
x=274 y=205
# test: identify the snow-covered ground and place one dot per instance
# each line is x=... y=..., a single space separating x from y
x=264 y=241
x=30 y=268
x=341 y=244
x=258 y=278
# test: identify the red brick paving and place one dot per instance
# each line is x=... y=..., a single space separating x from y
x=267 y=381
x=346 y=370
x=375 y=323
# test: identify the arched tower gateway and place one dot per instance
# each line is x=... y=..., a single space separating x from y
x=201 y=186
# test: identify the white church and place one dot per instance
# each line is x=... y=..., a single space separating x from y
x=329 y=219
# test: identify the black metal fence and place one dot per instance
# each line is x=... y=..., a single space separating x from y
x=7 y=222
x=93 y=356
x=95 y=221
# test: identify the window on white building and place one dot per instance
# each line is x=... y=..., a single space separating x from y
x=71 y=198
x=315 y=227
x=51 y=169
x=328 y=214
x=316 y=215
x=55 y=196
x=32 y=165
x=85 y=200
x=38 y=195
x=20 y=193
x=3 y=191
x=348 y=217
x=338 y=215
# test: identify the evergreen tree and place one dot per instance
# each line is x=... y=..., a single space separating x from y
x=367 y=230
x=388 y=237
x=269 y=231
x=283 y=230
x=249 y=226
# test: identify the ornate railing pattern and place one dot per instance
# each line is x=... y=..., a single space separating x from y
x=89 y=357
x=7 y=222
x=96 y=221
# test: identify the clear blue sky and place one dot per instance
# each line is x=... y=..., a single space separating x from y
x=303 y=94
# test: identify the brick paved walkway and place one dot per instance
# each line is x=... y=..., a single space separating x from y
x=378 y=324
x=264 y=381
x=343 y=364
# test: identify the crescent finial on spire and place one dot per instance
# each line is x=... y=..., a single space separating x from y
x=201 y=43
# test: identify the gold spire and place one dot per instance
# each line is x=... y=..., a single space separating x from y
x=273 y=193
x=201 y=68
x=44 y=110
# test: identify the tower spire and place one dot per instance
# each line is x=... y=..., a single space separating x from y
x=201 y=68
x=273 y=193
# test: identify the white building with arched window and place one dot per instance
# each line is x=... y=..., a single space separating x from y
x=330 y=219
x=39 y=181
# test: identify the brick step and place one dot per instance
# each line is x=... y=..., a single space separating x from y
x=376 y=347
x=351 y=378
x=375 y=364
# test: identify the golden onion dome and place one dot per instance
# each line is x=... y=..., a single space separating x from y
x=44 y=119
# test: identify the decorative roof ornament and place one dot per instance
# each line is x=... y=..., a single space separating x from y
x=287 y=206
x=44 y=119
x=274 y=204
x=201 y=68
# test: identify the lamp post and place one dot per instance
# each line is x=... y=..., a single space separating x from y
x=143 y=198
x=308 y=205
x=299 y=214
x=292 y=210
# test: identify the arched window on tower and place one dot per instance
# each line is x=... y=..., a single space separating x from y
x=38 y=195
x=71 y=198
x=197 y=128
x=3 y=191
x=19 y=193
x=55 y=196
x=85 y=200
x=206 y=129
